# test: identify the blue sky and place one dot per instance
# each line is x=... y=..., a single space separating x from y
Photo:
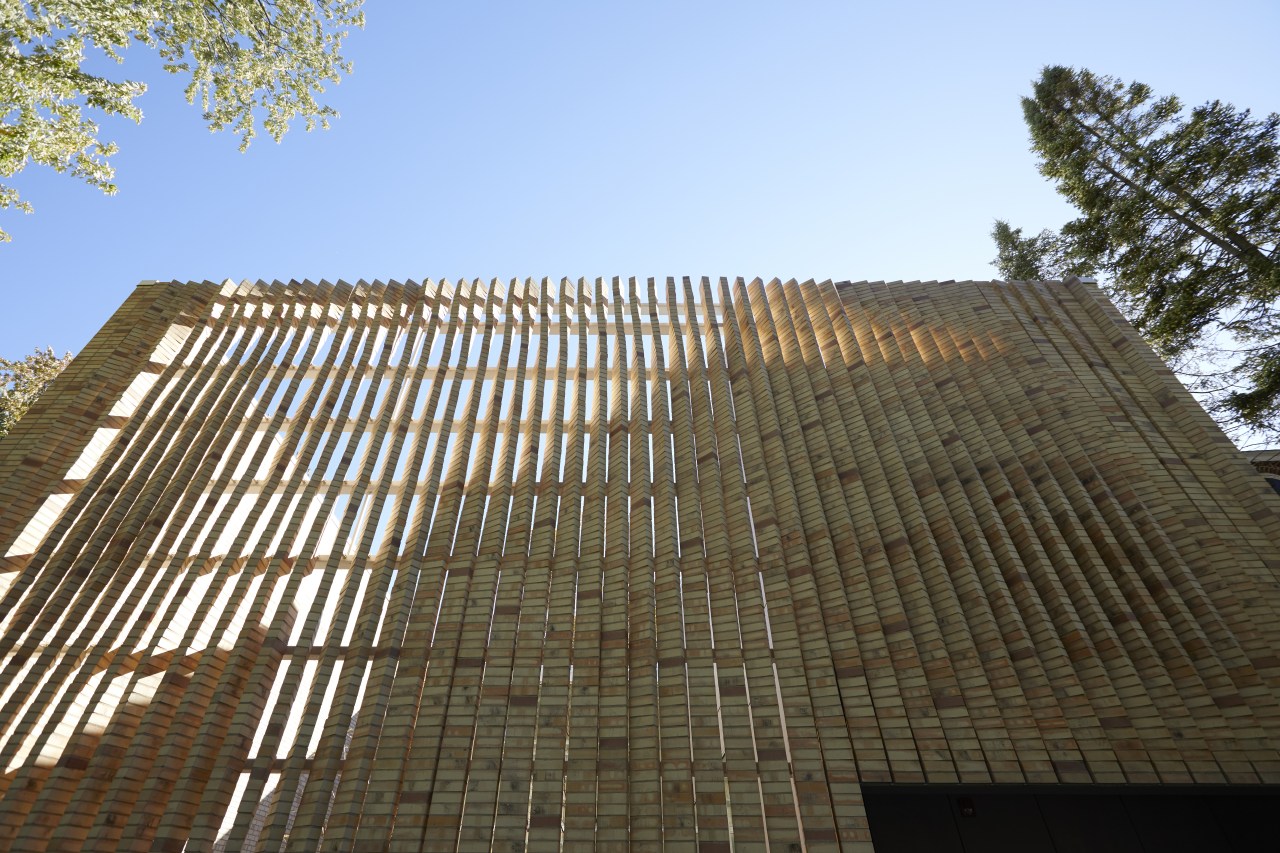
x=805 y=139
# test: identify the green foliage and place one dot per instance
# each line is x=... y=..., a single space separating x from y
x=248 y=62
x=21 y=382
x=1040 y=258
x=1180 y=212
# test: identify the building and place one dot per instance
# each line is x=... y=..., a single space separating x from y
x=713 y=565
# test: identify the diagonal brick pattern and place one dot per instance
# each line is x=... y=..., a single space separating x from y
x=564 y=565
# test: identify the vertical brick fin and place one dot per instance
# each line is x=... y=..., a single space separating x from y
x=41 y=448
x=596 y=563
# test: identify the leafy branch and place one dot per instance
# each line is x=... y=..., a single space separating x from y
x=261 y=63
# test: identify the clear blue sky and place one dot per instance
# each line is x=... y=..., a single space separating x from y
x=801 y=139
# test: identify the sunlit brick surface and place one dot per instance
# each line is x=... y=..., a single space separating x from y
x=540 y=564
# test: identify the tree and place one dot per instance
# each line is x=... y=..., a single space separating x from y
x=1037 y=258
x=1180 y=212
x=248 y=62
x=21 y=382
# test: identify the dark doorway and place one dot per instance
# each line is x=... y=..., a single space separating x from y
x=1073 y=819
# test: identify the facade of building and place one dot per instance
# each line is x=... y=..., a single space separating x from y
x=713 y=565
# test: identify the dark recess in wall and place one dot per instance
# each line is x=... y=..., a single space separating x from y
x=1073 y=819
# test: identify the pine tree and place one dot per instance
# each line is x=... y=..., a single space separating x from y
x=1180 y=214
x=1040 y=258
